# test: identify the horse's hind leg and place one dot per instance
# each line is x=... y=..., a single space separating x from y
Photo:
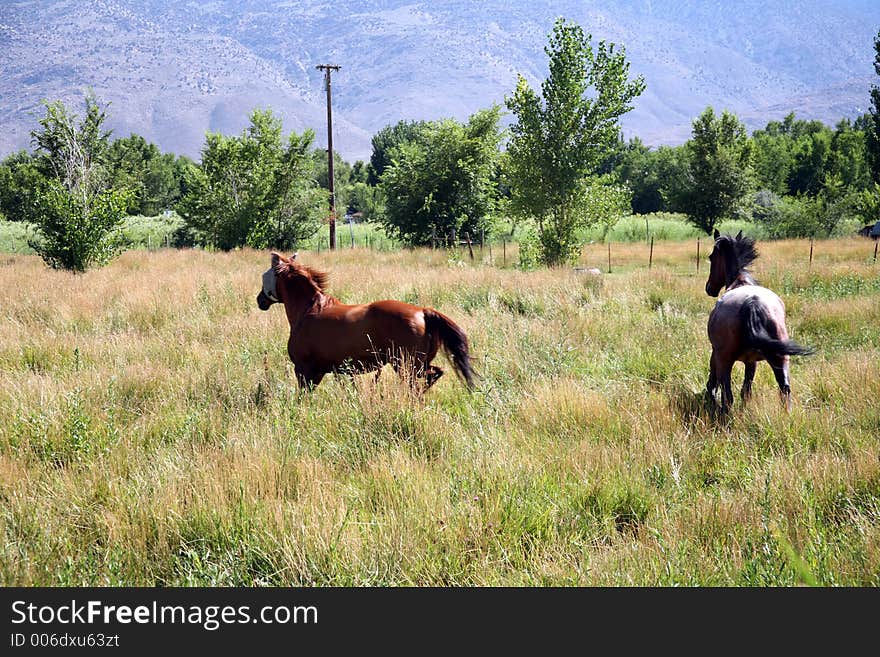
x=780 y=371
x=746 y=392
x=432 y=373
x=723 y=373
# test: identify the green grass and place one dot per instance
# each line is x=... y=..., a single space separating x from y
x=151 y=432
x=14 y=237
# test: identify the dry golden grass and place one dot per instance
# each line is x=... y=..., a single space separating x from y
x=151 y=432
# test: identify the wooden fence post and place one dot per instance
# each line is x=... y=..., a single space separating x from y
x=698 y=255
x=876 y=244
x=504 y=250
x=467 y=237
x=811 y=252
x=651 y=253
x=609 y=256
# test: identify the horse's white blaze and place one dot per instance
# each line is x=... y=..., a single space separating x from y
x=269 y=284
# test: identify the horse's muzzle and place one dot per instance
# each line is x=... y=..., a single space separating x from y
x=710 y=292
x=263 y=302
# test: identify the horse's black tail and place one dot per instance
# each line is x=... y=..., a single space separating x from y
x=757 y=336
x=454 y=342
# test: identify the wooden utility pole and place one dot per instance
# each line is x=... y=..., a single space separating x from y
x=328 y=68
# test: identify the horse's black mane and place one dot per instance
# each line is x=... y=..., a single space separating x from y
x=744 y=250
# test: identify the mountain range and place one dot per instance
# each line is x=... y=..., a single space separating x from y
x=173 y=70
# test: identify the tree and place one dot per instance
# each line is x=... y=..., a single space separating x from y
x=342 y=174
x=646 y=172
x=367 y=200
x=155 y=178
x=443 y=180
x=560 y=137
x=873 y=131
x=811 y=153
x=384 y=141
x=78 y=215
x=773 y=159
x=848 y=156
x=718 y=175
x=253 y=190
x=21 y=182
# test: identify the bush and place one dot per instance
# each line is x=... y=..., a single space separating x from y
x=76 y=235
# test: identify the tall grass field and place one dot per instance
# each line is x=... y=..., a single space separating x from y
x=151 y=431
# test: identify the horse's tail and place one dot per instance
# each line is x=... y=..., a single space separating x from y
x=755 y=321
x=454 y=342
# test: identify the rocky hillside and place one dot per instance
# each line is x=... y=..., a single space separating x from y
x=173 y=70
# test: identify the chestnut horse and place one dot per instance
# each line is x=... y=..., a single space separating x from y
x=747 y=323
x=329 y=336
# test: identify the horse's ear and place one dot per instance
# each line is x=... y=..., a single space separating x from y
x=293 y=257
x=717 y=234
x=275 y=259
x=739 y=235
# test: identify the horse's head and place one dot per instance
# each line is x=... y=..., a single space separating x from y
x=287 y=280
x=729 y=258
x=269 y=292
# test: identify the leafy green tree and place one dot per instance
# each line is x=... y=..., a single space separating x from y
x=848 y=158
x=866 y=204
x=127 y=160
x=155 y=178
x=78 y=215
x=671 y=166
x=360 y=171
x=443 y=180
x=21 y=181
x=873 y=129
x=773 y=159
x=342 y=174
x=646 y=172
x=368 y=200
x=810 y=163
x=718 y=175
x=386 y=140
x=560 y=136
x=254 y=190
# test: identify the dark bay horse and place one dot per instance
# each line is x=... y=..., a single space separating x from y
x=747 y=323
x=329 y=336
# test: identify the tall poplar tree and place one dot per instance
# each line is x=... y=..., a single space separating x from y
x=560 y=137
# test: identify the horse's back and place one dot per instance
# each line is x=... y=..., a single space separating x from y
x=726 y=328
x=341 y=332
x=730 y=303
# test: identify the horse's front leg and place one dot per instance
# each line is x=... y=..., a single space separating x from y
x=307 y=378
